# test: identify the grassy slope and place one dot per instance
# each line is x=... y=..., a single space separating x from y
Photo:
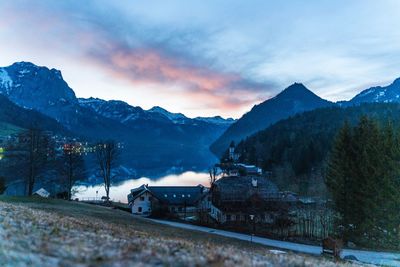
x=8 y=129
x=123 y=239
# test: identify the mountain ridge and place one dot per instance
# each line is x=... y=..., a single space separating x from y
x=292 y=100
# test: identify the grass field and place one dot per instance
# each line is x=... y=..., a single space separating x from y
x=47 y=232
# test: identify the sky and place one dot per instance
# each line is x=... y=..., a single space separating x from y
x=209 y=57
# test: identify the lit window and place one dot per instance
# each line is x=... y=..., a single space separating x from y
x=183 y=195
x=188 y=195
x=165 y=195
x=174 y=195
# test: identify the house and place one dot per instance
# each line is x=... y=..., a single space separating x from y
x=180 y=201
x=248 y=169
x=42 y=193
x=243 y=198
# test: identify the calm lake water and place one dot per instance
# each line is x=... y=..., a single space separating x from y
x=119 y=192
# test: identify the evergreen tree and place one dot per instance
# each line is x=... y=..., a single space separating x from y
x=363 y=178
x=338 y=173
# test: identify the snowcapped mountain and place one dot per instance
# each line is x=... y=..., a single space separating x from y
x=216 y=120
x=119 y=110
x=174 y=117
x=151 y=137
x=383 y=94
x=29 y=85
x=127 y=114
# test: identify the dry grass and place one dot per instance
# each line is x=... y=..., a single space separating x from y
x=36 y=232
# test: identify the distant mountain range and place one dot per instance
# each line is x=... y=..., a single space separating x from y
x=156 y=136
x=294 y=100
x=152 y=137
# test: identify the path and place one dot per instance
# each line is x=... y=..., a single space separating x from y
x=374 y=257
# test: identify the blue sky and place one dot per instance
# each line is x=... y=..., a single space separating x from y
x=206 y=57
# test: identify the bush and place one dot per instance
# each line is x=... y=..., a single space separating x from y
x=3 y=186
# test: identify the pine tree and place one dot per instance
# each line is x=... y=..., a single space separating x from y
x=363 y=178
x=338 y=174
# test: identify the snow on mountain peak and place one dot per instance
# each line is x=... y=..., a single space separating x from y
x=175 y=117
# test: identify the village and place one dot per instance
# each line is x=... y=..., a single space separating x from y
x=240 y=198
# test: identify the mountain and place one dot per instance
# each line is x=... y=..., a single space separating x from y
x=216 y=120
x=295 y=149
x=383 y=94
x=173 y=117
x=29 y=85
x=44 y=90
x=294 y=99
x=152 y=137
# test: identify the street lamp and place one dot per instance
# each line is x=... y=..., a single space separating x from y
x=252 y=219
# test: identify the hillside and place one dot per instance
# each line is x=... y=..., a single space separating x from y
x=294 y=99
x=37 y=232
x=295 y=149
x=14 y=118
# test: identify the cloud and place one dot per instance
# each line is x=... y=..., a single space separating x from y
x=140 y=53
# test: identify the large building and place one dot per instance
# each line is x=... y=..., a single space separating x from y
x=238 y=199
x=180 y=201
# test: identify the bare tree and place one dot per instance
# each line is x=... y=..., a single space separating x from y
x=29 y=156
x=72 y=168
x=213 y=172
x=107 y=154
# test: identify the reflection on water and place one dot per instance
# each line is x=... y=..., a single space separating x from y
x=120 y=191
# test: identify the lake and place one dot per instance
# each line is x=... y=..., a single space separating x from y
x=119 y=192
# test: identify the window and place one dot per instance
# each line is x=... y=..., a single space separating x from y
x=174 y=195
x=228 y=217
x=150 y=198
x=188 y=195
x=141 y=198
x=165 y=195
x=183 y=195
x=139 y=209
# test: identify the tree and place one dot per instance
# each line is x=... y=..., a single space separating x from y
x=72 y=168
x=213 y=172
x=30 y=155
x=363 y=178
x=107 y=154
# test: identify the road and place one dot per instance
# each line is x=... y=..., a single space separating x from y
x=374 y=257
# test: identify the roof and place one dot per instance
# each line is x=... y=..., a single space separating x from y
x=42 y=192
x=241 y=188
x=177 y=195
x=171 y=195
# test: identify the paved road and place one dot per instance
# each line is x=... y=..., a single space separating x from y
x=374 y=257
